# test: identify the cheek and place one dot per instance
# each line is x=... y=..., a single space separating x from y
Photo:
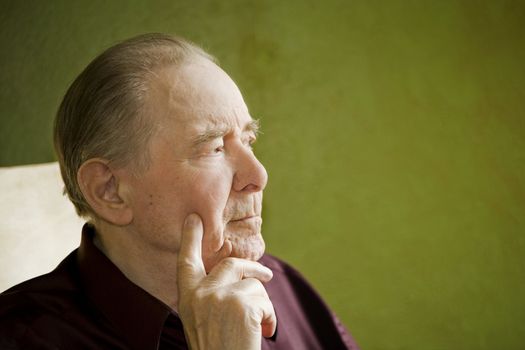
x=208 y=199
x=207 y=194
x=163 y=207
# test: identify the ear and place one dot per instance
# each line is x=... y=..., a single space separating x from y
x=100 y=187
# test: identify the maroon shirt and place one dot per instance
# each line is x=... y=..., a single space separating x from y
x=87 y=303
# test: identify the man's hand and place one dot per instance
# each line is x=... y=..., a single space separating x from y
x=226 y=309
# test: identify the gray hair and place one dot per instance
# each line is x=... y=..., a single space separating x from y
x=102 y=113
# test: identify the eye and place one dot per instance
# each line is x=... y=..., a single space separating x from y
x=217 y=147
x=249 y=141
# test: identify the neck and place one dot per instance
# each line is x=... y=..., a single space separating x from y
x=153 y=271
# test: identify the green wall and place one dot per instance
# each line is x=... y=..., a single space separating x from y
x=394 y=137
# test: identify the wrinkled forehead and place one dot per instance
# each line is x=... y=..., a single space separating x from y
x=201 y=90
x=199 y=95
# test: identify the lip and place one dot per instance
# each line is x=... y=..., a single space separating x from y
x=246 y=218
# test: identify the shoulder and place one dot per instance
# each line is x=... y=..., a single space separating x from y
x=301 y=310
x=278 y=265
x=286 y=274
x=31 y=310
x=43 y=292
x=288 y=283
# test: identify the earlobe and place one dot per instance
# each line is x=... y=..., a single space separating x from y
x=100 y=187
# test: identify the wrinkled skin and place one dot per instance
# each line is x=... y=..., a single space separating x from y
x=220 y=178
x=202 y=162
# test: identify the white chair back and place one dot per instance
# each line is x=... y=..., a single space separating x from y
x=38 y=225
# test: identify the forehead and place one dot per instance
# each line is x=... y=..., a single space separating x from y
x=200 y=95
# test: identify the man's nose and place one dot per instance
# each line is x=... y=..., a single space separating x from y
x=250 y=174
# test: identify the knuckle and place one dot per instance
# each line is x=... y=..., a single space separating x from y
x=215 y=299
x=254 y=314
x=255 y=283
x=237 y=303
x=186 y=262
x=255 y=286
x=229 y=263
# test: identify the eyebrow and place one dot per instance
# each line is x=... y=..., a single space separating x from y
x=253 y=126
x=220 y=131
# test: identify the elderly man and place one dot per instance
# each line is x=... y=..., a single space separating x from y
x=154 y=142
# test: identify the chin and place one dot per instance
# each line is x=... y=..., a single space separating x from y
x=249 y=248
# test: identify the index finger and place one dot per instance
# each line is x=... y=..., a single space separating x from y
x=190 y=268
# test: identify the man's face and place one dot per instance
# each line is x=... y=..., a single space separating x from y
x=201 y=162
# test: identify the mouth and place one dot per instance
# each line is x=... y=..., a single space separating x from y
x=244 y=218
x=243 y=229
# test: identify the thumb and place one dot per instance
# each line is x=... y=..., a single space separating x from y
x=190 y=268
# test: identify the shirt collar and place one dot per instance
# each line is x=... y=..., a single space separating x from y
x=136 y=315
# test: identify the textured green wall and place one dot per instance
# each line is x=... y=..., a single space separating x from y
x=394 y=139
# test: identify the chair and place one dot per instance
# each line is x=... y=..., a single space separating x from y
x=38 y=224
